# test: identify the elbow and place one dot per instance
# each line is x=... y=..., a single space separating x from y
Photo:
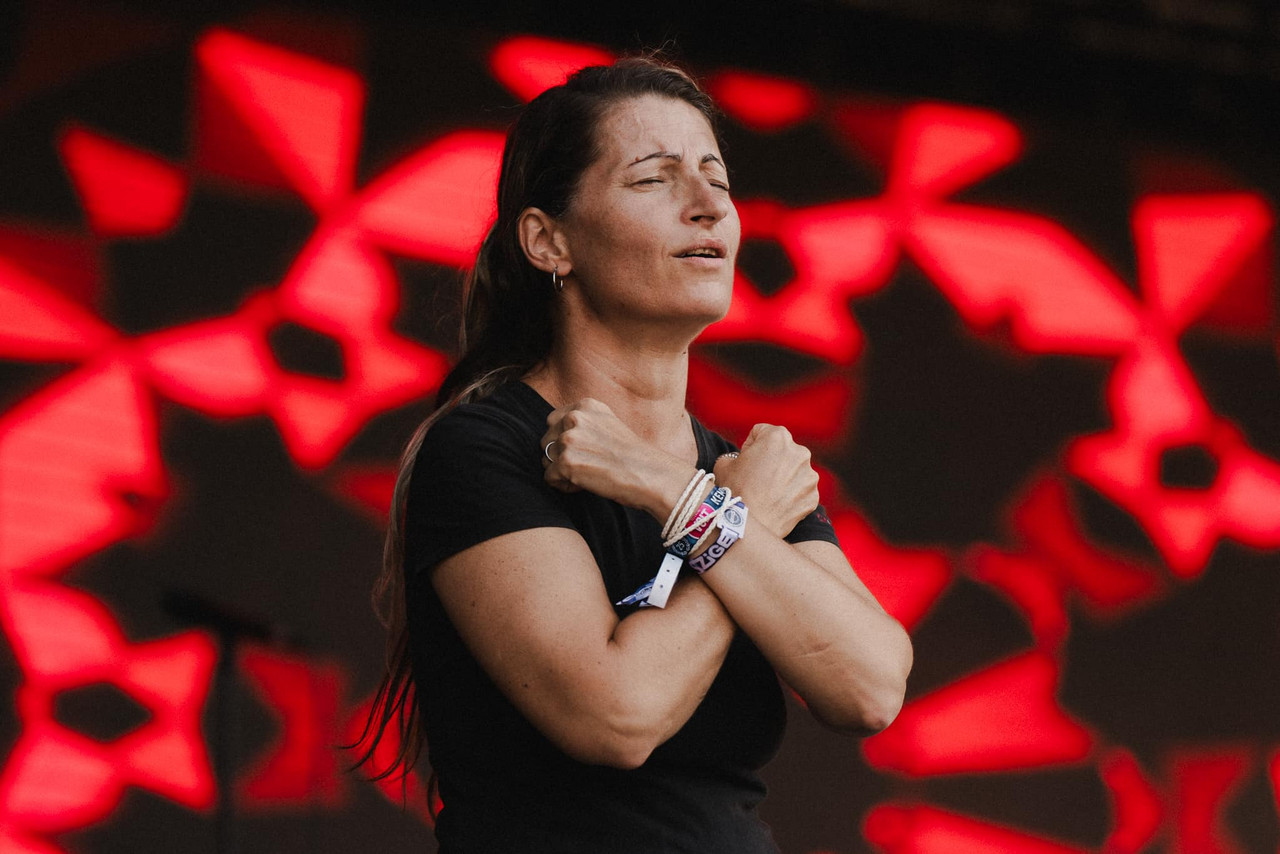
x=870 y=706
x=893 y=695
x=868 y=714
x=621 y=735
x=879 y=712
x=613 y=749
x=624 y=755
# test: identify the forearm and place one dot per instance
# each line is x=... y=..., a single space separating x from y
x=830 y=641
x=606 y=691
x=666 y=659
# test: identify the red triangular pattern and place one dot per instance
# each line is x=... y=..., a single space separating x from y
x=301 y=766
x=906 y=582
x=125 y=192
x=1190 y=247
x=303 y=115
x=529 y=65
x=338 y=284
x=438 y=203
x=943 y=148
x=995 y=264
x=226 y=146
x=761 y=102
x=68 y=263
x=222 y=367
x=817 y=410
x=1002 y=718
x=37 y=322
x=1247 y=305
x=82 y=467
x=920 y=829
x=871 y=128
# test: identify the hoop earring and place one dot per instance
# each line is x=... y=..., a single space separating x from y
x=557 y=282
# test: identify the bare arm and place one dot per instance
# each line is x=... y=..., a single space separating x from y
x=837 y=649
x=803 y=605
x=532 y=608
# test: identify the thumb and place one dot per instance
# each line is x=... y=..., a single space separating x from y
x=753 y=435
x=725 y=463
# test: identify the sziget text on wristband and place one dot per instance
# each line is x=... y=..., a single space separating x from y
x=733 y=527
x=688 y=538
x=731 y=517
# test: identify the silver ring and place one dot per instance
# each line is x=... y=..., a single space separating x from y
x=546 y=452
x=733 y=455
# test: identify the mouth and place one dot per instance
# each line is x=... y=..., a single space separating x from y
x=709 y=248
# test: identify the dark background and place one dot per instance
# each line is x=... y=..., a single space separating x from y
x=1115 y=100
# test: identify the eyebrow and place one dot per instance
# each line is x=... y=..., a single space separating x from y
x=671 y=155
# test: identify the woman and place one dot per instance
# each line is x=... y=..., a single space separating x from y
x=560 y=715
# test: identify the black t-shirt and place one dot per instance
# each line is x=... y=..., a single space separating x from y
x=505 y=787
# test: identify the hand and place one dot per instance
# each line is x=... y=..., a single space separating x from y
x=592 y=449
x=773 y=476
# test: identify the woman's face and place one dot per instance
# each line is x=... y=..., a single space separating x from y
x=652 y=233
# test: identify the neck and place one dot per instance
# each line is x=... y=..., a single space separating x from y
x=642 y=382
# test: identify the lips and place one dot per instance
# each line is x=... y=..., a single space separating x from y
x=708 y=247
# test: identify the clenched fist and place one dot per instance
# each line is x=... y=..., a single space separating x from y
x=773 y=475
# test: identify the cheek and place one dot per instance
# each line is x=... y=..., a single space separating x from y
x=733 y=229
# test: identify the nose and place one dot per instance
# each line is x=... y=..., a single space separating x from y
x=707 y=204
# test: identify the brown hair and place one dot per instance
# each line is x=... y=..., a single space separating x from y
x=508 y=323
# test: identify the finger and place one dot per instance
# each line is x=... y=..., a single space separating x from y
x=591 y=404
x=724 y=464
x=557 y=479
x=551 y=449
x=550 y=446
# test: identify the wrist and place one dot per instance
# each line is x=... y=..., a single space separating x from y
x=664 y=486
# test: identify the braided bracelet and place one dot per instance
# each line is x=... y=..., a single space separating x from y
x=687 y=504
x=683 y=541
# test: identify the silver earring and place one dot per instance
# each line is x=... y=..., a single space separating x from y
x=557 y=281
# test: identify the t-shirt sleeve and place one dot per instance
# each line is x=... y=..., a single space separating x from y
x=815 y=526
x=476 y=477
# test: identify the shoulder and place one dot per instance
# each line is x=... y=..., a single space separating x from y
x=513 y=418
x=478 y=475
x=513 y=409
x=485 y=446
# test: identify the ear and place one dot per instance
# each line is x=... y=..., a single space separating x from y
x=543 y=242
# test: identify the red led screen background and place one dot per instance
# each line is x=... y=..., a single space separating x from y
x=1040 y=371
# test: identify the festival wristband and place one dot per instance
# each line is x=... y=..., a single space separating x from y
x=710 y=505
x=733 y=527
x=732 y=520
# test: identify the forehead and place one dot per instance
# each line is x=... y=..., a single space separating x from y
x=637 y=127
